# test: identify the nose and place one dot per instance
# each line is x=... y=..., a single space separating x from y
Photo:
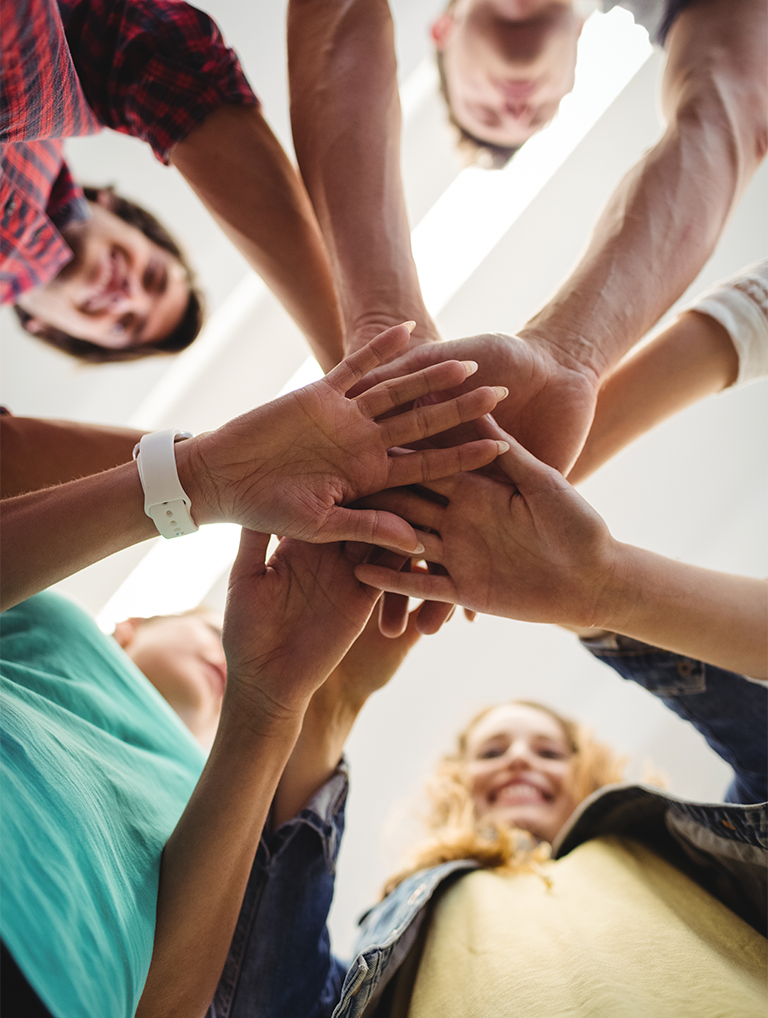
x=518 y=756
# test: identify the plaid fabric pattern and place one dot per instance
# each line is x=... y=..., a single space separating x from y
x=151 y=68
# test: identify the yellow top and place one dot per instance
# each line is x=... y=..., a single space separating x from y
x=620 y=933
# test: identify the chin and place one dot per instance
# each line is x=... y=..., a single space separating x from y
x=525 y=820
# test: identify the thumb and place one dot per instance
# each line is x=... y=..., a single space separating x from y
x=520 y=466
x=251 y=556
x=373 y=527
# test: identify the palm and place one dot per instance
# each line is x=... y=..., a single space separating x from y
x=549 y=408
x=291 y=620
x=532 y=549
x=290 y=466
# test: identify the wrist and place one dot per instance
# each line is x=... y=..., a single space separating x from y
x=197 y=479
x=364 y=328
x=567 y=348
x=620 y=589
x=249 y=713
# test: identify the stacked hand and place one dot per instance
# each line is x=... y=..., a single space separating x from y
x=289 y=621
x=551 y=398
x=291 y=466
x=532 y=549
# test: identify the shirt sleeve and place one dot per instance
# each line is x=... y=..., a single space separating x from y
x=740 y=305
x=153 y=69
x=280 y=960
x=729 y=710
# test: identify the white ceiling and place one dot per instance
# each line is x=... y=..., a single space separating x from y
x=696 y=489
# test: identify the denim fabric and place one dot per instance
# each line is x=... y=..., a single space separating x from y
x=731 y=712
x=283 y=919
x=280 y=963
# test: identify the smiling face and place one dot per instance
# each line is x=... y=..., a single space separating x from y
x=518 y=762
x=507 y=64
x=183 y=658
x=119 y=290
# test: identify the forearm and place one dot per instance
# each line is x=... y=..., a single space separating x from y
x=345 y=114
x=40 y=453
x=691 y=359
x=665 y=218
x=238 y=169
x=707 y=615
x=327 y=724
x=50 y=534
x=206 y=864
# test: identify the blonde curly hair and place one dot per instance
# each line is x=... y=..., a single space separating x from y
x=456 y=832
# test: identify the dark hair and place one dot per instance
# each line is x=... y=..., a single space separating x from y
x=484 y=153
x=179 y=339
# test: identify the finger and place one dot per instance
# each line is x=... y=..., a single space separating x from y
x=377 y=352
x=251 y=557
x=420 y=585
x=435 y=463
x=418 y=511
x=393 y=615
x=423 y=421
x=517 y=463
x=432 y=615
x=469 y=615
x=437 y=378
x=414 y=360
x=380 y=528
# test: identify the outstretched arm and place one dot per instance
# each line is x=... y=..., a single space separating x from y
x=536 y=551
x=718 y=341
x=240 y=172
x=283 y=634
x=288 y=467
x=39 y=453
x=345 y=114
x=665 y=218
x=367 y=666
x=691 y=359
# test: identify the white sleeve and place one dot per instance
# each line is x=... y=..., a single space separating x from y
x=740 y=305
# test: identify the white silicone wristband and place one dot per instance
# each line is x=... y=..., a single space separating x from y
x=165 y=501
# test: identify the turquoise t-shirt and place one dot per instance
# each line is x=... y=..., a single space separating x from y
x=95 y=772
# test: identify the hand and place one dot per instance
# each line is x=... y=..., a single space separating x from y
x=371 y=661
x=368 y=665
x=290 y=621
x=288 y=467
x=533 y=550
x=550 y=404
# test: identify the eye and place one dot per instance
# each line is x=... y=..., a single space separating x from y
x=155 y=277
x=553 y=754
x=489 y=752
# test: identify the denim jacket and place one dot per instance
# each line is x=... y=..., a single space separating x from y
x=280 y=963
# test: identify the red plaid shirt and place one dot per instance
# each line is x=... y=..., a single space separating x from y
x=151 y=68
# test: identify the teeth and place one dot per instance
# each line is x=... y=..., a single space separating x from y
x=521 y=793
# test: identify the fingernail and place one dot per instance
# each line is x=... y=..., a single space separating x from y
x=501 y=391
x=419 y=549
x=410 y=326
x=470 y=366
x=502 y=447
